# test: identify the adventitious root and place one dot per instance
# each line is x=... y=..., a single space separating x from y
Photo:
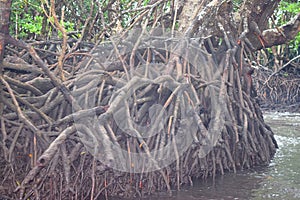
x=280 y=92
x=133 y=117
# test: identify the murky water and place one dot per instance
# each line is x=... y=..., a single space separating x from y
x=280 y=180
x=283 y=175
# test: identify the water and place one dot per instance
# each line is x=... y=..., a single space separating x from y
x=280 y=180
x=283 y=174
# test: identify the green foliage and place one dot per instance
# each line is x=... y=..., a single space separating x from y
x=288 y=9
x=237 y=4
x=69 y=26
x=26 y=18
x=30 y=25
x=29 y=21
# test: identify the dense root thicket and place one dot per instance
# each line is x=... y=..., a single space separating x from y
x=131 y=117
x=279 y=91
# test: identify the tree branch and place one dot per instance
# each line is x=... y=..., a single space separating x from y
x=282 y=34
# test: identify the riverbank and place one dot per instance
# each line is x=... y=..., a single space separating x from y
x=272 y=107
x=278 y=92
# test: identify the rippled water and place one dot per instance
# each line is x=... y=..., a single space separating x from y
x=283 y=174
x=280 y=180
